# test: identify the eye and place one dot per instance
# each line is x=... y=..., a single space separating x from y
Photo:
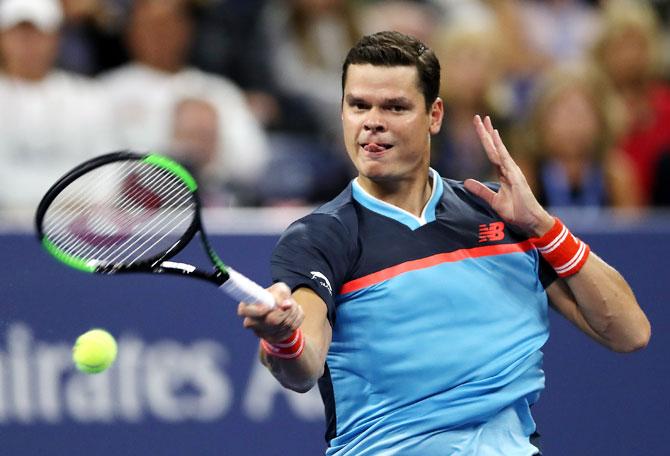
x=397 y=108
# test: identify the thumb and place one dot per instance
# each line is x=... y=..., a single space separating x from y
x=478 y=189
x=282 y=294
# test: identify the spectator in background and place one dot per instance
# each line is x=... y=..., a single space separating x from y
x=195 y=137
x=419 y=19
x=308 y=40
x=49 y=119
x=195 y=143
x=521 y=60
x=143 y=93
x=91 y=36
x=230 y=40
x=471 y=84
x=559 y=30
x=531 y=35
x=570 y=155
x=628 y=52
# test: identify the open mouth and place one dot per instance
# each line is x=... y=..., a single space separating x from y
x=376 y=147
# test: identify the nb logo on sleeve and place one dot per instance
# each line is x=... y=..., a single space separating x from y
x=492 y=232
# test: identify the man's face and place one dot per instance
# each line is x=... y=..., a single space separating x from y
x=386 y=127
x=159 y=34
x=28 y=52
x=195 y=132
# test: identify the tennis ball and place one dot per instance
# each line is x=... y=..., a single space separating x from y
x=94 y=351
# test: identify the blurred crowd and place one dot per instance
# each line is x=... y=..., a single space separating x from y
x=246 y=93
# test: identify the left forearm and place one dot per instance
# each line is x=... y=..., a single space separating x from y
x=590 y=293
x=605 y=306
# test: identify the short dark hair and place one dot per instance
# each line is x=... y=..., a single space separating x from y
x=397 y=49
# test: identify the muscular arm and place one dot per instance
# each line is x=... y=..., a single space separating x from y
x=599 y=301
x=597 y=298
x=299 y=374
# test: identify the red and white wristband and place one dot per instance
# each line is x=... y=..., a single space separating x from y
x=562 y=250
x=289 y=348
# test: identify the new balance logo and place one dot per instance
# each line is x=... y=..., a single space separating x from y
x=492 y=232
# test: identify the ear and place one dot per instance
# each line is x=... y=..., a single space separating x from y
x=436 y=115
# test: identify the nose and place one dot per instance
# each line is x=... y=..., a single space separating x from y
x=373 y=123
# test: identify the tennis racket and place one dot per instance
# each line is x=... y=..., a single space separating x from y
x=128 y=212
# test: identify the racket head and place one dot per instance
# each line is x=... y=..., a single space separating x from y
x=119 y=212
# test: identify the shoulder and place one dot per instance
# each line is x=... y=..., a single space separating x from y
x=455 y=192
x=121 y=73
x=67 y=81
x=332 y=225
x=195 y=78
x=336 y=219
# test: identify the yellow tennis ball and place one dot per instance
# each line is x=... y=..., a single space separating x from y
x=94 y=351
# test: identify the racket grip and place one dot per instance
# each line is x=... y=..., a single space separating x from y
x=244 y=289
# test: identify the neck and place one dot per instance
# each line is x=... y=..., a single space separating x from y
x=30 y=75
x=163 y=67
x=410 y=195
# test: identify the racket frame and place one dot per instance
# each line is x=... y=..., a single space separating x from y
x=158 y=264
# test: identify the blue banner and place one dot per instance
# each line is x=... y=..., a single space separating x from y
x=187 y=380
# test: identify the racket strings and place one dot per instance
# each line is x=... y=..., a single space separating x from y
x=122 y=219
x=169 y=218
x=141 y=227
x=80 y=247
x=80 y=196
x=131 y=218
x=82 y=202
x=120 y=214
x=84 y=250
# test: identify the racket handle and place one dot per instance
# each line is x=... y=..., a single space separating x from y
x=244 y=289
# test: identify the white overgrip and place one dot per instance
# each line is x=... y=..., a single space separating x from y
x=244 y=289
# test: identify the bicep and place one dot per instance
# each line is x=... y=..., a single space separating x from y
x=315 y=326
x=564 y=301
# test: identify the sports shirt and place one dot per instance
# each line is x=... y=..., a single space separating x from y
x=437 y=323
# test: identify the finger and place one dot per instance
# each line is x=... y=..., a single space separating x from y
x=287 y=304
x=501 y=150
x=281 y=292
x=488 y=124
x=500 y=146
x=509 y=165
x=250 y=323
x=487 y=141
x=296 y=318
x=478 y=189
x=253 y=310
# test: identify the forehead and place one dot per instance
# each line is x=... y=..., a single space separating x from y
x=382 y=81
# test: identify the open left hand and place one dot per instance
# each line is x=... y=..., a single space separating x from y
x=514 y=201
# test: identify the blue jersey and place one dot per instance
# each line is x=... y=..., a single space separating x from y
x=437 y=322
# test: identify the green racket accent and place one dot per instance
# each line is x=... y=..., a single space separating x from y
x=174 y=167
x=72 y=261
x=220 y=265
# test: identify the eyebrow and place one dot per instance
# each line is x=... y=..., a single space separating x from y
x=353 y=99
x=398 y=100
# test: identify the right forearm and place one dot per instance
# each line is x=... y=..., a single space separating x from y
x=299 y=374
x=293 y=348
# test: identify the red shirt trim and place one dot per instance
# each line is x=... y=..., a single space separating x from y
x=433 y=260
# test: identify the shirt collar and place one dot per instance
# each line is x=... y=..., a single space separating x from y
x=389 y=210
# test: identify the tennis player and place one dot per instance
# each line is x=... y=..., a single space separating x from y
x=420 y=303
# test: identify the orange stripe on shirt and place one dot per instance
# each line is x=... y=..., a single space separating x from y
x=433 y=260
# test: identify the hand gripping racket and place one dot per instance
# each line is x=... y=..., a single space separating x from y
x=127 y=212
